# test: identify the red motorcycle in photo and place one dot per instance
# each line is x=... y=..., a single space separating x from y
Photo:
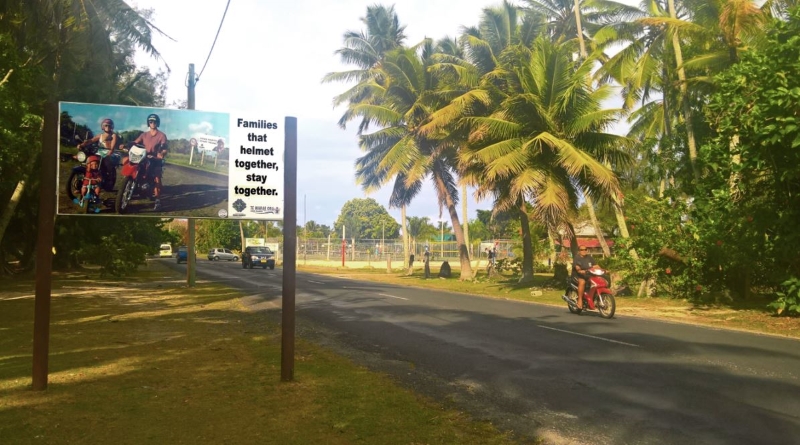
x=596 y=296
x=137 y=181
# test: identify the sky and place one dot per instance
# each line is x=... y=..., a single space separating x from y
x=273 y=55
x=184 y=124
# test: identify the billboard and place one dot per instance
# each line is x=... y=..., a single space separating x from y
x=167 y=163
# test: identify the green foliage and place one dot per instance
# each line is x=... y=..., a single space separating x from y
x=749 y=201
x=670 y=247
x=117 y=245
x=512 y=265
x=788 y=302
x=115 y=255
x=73 y=51
x=366 y=219
x=211 y=233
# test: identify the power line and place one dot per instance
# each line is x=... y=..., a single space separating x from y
x=215 y=40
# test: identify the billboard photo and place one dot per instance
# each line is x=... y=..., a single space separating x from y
x=143 y=161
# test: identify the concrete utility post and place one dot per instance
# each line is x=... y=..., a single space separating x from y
x=191 y=255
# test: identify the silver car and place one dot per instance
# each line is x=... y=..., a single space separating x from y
x=222 y=254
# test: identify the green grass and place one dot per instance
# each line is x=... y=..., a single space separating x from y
x=148 y=360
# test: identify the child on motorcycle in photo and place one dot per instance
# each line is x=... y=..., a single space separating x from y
x=581 y=265
x=92 y=177
x=109 y=140
x=155 y=142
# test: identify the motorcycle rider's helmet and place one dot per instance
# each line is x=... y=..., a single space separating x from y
x=109 y=122
x=154 y=117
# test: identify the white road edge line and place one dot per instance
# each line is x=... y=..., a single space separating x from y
x=315 y=282
x=392 y=296
x=590 y=336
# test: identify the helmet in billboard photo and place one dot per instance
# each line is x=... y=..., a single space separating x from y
x=154 y=117
x=108 y=122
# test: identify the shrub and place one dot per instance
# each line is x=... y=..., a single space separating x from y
x=788 y=302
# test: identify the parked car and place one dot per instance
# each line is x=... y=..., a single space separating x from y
x=258 y=256
x=183 y=254
x=219 y=253
x=165 y=251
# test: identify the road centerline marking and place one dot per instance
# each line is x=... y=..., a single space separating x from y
x=392 y=296
x=315 y=282
x=590 y=336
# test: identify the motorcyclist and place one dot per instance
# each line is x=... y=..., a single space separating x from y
x=109 y=140
x=580 y=270
x=155 y=142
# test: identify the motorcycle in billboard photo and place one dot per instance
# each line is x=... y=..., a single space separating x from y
x=106 y=164
x=137 y=181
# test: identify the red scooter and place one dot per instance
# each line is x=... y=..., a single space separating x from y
x=596 y=296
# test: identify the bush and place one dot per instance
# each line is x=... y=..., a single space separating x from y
x=513 y=265
x=788 y=302
x=115 y=257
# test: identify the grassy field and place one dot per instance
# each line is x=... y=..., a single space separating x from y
x=750 y=316
x=147 y=360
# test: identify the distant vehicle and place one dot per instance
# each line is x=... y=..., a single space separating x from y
x=217 y=254
x=165 y=251
x=258 y=256
x=183 y=254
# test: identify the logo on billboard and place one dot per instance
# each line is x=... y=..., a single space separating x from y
x=264 y=210
x=239 y=205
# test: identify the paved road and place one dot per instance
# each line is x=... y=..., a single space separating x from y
x=539 y=370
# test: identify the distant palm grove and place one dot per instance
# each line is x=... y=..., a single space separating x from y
x=526 y=107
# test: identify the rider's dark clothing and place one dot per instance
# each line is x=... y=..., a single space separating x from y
x=585 y=262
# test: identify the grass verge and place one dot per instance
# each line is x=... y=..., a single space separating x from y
x=147 y=360
x=751 y=316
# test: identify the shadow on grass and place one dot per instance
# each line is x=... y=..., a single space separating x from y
x=159 y=363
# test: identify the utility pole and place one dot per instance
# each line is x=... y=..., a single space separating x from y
x=191 y=255
x=305 y=232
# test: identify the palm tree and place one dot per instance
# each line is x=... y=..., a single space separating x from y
x=580 y=19
x=366 y=49
x=420 y=227
x=399 y=151
x=546 y=143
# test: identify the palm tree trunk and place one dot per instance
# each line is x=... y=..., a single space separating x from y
x=597 y=230
x=736 y=161
x=579 y=28
x=687 y=110
x=241 y=235
x=11 y=207
x=527 y=245
x=404 y=223
x=552 y=248
x=465 y=215
x=463 y=255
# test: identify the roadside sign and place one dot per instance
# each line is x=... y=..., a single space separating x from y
x=215 y=164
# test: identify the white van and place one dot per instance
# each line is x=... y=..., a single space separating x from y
x=165 y=251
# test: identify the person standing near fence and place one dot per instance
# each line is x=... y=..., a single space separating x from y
x=411 y=264
x=427 y=260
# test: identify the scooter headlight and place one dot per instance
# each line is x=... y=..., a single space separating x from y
x=81 y=156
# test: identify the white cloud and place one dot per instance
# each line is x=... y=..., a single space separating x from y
x=201 y=128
